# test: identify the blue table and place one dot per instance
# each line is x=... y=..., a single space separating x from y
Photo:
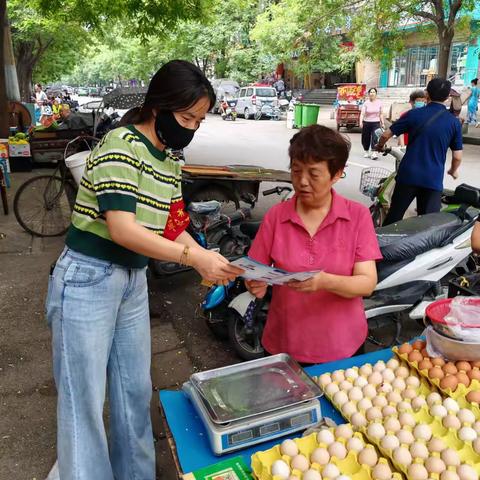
x=191 y=439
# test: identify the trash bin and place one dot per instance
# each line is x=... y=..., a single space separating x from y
x=309 y=114
x=297 y=123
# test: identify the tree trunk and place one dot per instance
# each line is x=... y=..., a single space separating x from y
x=4 y=131
x=26 y=61
x=445 y=36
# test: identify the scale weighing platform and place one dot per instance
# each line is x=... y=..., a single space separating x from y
x=252 y=402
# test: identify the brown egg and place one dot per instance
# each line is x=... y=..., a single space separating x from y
x=424 y=352
x=450 y=382
x=474 y=374
x=436 y=372
x=425 y=364
x=462 y=377
x=438 y=361
x=475 y=364
x=406 y=348
x=463 y=366
x=449 y=368
x=415 y=356
x=418 y=345
x=474 y=397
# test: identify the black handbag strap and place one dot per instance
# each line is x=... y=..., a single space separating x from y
x=412 y=136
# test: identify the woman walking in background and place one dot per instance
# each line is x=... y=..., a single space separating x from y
x=371 y=118
x=473 y=103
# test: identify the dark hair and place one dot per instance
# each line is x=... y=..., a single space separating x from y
x=439 y=89
x=318 y=143
x=175 y=87
x=39 y=85
x=373 y=89
x=417 y=94
x=474 y=81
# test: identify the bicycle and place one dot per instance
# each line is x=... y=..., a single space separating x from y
x=43 y=205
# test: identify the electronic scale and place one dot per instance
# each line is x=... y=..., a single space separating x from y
x=253 y=402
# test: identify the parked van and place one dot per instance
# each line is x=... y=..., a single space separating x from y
x=251 y=97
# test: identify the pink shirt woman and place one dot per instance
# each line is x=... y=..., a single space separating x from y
x=371 y=118
x=321 y=319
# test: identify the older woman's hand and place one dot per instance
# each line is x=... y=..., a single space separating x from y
x=256 y=288
x=311 y=285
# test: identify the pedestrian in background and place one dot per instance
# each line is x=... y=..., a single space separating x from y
x=473 y=103
x=371 y=118
x=41 y=100
x=417 y=100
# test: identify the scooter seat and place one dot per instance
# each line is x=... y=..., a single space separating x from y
x=413 y=236
x=250 y=229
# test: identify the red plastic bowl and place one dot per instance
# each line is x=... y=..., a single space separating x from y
x=437 y=311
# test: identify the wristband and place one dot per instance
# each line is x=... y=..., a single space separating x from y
x=184 y=257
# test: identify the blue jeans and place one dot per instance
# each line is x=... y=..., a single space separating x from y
x=99 y=317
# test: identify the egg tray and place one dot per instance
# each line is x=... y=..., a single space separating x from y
x=262 y=461
x=460 y=392
x=450 y=436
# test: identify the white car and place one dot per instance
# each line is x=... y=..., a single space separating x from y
x=249 y=98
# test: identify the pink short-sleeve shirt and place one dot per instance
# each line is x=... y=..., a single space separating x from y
x=372 y=110
x=321 y=326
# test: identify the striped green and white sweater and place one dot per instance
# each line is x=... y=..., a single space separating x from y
x=124 y=172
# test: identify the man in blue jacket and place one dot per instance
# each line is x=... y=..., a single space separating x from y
x=432 y=130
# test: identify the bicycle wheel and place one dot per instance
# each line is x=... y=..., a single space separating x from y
x=43 y=205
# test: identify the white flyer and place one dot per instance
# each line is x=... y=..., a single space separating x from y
x=274 y=276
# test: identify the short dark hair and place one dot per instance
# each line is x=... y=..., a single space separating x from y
x=373 y=89
x=175 y=87
x=474 y=81
x=318 y=143
x=417 y=94
x=439 y=89
x=39 y=85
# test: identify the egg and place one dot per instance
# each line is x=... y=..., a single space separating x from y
x=325 y=436
x=366 y=370
x=412 y=381
x=289 y=447
x=320 y=455
x=422 y=432
x=463 y=366
x=450 y=382
x=392 y=425
x=466 y=472
x=438 y=361
x=419 y=450
x=337 y=450
x=369 y=391
x=418 y=403
x=476 y=426
x=394 y=397
x=450 y=457
x=425 y=364
x=390 y=442
x=438 y=411
x=330 y=471
x=449 y=368
x=293 y=477
x=381 y=472
x=415 y=356
x=409 y=393
x=406 y=348
x=351 y=373
x=360 y=382
x=343 y=477
x=331 y=389
x=379 y=401
x=385 y=388
x=462 y=377
x=364 y=404
x=355 y=444
x=402 y=456
x=451 y=421
x=376 y=431
x=473 y=396
x=467 y=434
x=466 y=416
x=435 y=465
x=355 y=394
x=474 y=374
x=379 y=366
x=402 y=372
x=368 y=456
x=436 y=445
x=345 y=385
x=348 y=409
x=375 y=378
x=280 y=469
x=475 y=364
x=358 y=420
x=417 y=471
x=340 y=398
x=451 y=405
x=406 y=420
x=393 y=363
x=399 y=384
x=338 y=376
x=404 y=406
x=476 y=445
x=300 y=462
x=373 y=414
x=419 y=345
x=388 y=410
x=388 y=375
x=311 y=475
x=436 y=373
x=405 y=437
x=324 y=379
x=449 y=475
x=433 y=398
x=344 y=431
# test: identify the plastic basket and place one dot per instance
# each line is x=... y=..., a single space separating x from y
x=371 y=179
x=437 y=311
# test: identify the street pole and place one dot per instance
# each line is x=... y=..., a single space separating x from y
x=4 y=130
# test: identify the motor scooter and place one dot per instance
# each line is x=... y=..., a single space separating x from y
x=228 y=110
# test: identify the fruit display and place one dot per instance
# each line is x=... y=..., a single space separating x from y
x=18 y=139
x=336 y=453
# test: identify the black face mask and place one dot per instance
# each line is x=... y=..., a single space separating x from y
x=171 y=133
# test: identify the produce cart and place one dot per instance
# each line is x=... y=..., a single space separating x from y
x=350 y=98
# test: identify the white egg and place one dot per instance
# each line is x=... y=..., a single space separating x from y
x=280 y=469
x=404 y=406
x=300 y=462
x=436 y=445
x=394 y=397
x=320 y=455
x=375 y=378
x=393 y=363
x=376 y=431
x=344 y=431
x=409 y=394
x=355 y=444
x=381 y=472
x=433 y=398
x=402 y=372
x=418 y=403
x=293 y=477
x=366 y=370
x=388 y=375
x=337 y=450
x=373 y=414
x=364 y=404
x=289 y=447
x=369 y=391
x=406 y=420
x=355 y=394
x=385 y=388
x=345 y=385
x=338 y=376
x=422 y=432
x=348 y=409
x=405 y=436
x=379 y=366
x=466 y=472
x=392 y=424
x=476 y=445
x=419 y=450
x=324 y=379
x=399 y=384
x=450 y=457
x=343 y=477
x=412 y=381
x=467 y=434
x=360 y=382
x=331 y=389
x=476 y=426
x=451 y=421
x=358 y=420
x=311 y=475
x=351 y=373
x=416 y=471
x=368 y=456
x=449 y=475
x=451 y=405
x=330 y=471
x=402 y=456
x=435 y=465
x=390 y=442
x=388 y=411
x=466 y=416
x=438 y=411
x=325 y=436
x=379 y=401
x=340 y=398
